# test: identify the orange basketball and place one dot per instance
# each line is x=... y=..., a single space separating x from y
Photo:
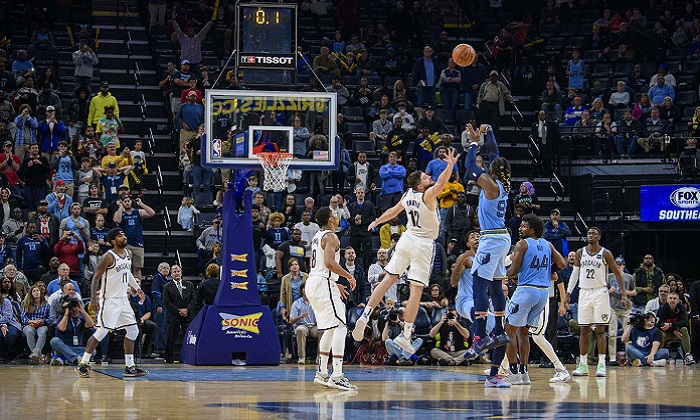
x=463 y=55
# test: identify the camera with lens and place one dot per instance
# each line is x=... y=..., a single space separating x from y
x=393 y=316
x=637 y=319
x=450 y=315
x=70 y=302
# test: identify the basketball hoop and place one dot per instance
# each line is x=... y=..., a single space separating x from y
x=275 y=165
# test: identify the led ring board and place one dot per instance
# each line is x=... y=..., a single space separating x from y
x=242 y=123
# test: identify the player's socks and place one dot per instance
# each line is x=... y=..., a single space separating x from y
x=368 y=311
x=523 y=368
x=337 y=366
x=480 y=327
x=129 y=359
x=407 y=330
x=323 y=364
x=514 y=368
x=558 y=365
x=583 y=359
x=498 y=329
x=86 y=358
x=494 y=371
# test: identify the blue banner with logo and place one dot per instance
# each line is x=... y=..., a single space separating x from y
x=670 y=203
x=236 y=325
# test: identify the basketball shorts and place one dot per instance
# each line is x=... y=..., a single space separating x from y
x=116 y=313
x=594 y=306
x=526 y=305
x=464 y=305
x=324 y=296
x=413 y=253
x=540 y=327
x=489 y=262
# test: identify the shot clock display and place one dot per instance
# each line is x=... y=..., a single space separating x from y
x=267 y=38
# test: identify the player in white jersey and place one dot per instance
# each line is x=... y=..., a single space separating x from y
x=414 y=249
x=591 y=266
x=113 y=277
x=326 y=298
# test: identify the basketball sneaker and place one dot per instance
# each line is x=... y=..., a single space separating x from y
x=359 y=332
x=513 y=379
x=405 y=344
x=659 y=363
x=479 y=346
x=498 y=341
x=341 y=383
x=525 y=379
x=496 y=382
x=560 y=376
x=581 y=370
x=321 y=378
x=600 y=370
x=83 y=370
x=689 y=359
x=134 y=371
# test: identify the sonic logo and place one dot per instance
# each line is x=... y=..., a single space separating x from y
x=241 y=322
x=239 y=257
x=239 y=273
x=242 y=286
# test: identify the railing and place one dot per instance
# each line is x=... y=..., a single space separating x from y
x=178 y=260
x=579 y=219
x=159 y=182
x=167 y=225
x=554 y=181
x=127 y=41
x=151 y=143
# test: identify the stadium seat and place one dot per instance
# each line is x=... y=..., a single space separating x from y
x=363 y=146
x=602 y=70
x=675 y=54
x=568 y=30
x=352 y=316
x=685 y=98
x=623 y=69
x=446 y=115
x=358 y=130
x=353 y=113
x=435 y=317
x=691 y=67
x=555 y=44
x=422 y=322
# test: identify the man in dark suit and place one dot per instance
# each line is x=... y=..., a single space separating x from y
x=362 y=213
x=546 y=135
x=179 y=302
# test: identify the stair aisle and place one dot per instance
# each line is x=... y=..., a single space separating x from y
x=124 y=51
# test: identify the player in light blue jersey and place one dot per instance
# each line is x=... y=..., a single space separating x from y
x=532 y=264
x=488 y=268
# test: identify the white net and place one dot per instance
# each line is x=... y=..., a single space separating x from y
x=275 y=166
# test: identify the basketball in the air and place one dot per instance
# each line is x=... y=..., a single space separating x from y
x=463 y=55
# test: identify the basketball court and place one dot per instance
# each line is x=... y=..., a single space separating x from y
x=288 y=392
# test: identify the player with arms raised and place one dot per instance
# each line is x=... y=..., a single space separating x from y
x=415 y=247
x=488 y=268
x=325 y=296
x=590 y=271
x=113 y=277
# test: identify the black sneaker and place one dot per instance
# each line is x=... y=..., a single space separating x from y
x=134 y=371
x=83 y=370
x=613 y=363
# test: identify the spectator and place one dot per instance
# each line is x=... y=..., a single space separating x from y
x=147 y=328
x=99 y=233
x=42 y=40
x=437 y=165
x=692 y=52
x=304 y=321
x=362 y=173
x=27 y=94
x=109 y=127
x=324 y=64
x=308 y=231
x=84 y=60
x=63 y=278
x=10 y=328
x=191 y=43
x=22 y=67
x=191 y=87
x=14 y=228
x=575 y=71
x=604 y=137
x=363 y=95
x=668 y=111
x=301 y=137
x=388 y=229
x=660 y=91
x=50 y=132
x=620 y=99
x=450 y=79
x=435 y=299
x=514 y=223
x=47 y=98
x=527 y=198
x=472 y=77
x=597 y=110
x=491 y=101
x=180 y=82
x=64 y=164
x=290 y=212
x=13 y=289
x=121 y=160
x=457 y=218
x=673 y=323
x=59 y=201
x=359 y=295
x=290 y=286
x=35 y=317
x=644 y=342
x=669 y=79
x=292 y=248
x=68 y=341
x=178 y=300
x=206 y=240
x=337 y=87
x=91 y=259
x=131 y=221
x=376 y=273
x=392 y=175
x=380 y=128
x=654 y=304
x=46 y=223
x=157 y=284
x=556 y=232
x=98 y=104
x=656 y=129
x=8 y=203
x=628 y=132
x=6 y=253
x=450 y=340
x=189 y=117
x=56 y=299
x=25 y=134
x=201 y=175
x=113 y=180
x=573 y=113
x=362 y=213
x=76 y=224
x=642 y=110
x=84 y=180
x=393 y=327
x=426 y=74
x=619 y=311
x=434 y=124
x=52 y=274
x=584 y=130
x=551 y=101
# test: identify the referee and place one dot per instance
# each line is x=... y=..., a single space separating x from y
x=490 y=101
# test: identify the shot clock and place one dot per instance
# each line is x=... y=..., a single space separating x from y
x=267 y=36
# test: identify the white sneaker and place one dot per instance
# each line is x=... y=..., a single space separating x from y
x=341 y=383
x=404 y=344
x=659 y=363
x=525 y=379
x=301 y=361
x=36 y=355
x=561 y=376
x=359 y=332
x=514 y=379
x=322 y=378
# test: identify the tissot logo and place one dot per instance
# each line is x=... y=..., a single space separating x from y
x=252 y=59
